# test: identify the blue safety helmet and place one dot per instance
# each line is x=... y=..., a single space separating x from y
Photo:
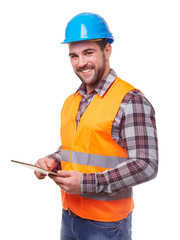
x=87 y=26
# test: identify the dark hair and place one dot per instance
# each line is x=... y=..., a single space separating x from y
x=102 y=44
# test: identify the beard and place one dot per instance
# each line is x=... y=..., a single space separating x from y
x=96 y=77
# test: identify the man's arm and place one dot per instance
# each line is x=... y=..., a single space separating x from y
x=138 y=136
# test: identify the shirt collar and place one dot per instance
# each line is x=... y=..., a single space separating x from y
x=102 y=87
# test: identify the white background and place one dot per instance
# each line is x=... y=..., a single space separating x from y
x=35 y=79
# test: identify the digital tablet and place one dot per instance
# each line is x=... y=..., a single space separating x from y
x=35 y=168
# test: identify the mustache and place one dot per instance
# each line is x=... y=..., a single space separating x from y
x=88 y=66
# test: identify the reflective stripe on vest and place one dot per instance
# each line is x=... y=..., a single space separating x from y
x=92 y=159
x=90 y=148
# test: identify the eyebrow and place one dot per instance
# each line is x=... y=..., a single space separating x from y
x=84 y=51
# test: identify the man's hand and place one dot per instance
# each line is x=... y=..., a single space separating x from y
x=45 y=163
x=69 y=181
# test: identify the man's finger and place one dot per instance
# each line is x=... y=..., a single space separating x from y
x=41 y=164
x=39 y=175
x=64 y=173
x=50 y=163
x=58 y=179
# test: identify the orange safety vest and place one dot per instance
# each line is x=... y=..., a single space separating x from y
x=90 y=148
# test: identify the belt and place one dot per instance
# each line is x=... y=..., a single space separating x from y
x=71 y=213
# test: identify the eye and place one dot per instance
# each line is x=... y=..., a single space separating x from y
x=89 y=53
x=73 y=56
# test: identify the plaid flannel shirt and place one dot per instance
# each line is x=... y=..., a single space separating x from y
x=134 y=129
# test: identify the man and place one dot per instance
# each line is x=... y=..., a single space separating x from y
x=109 y=141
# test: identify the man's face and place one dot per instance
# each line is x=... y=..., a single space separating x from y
x=89 y=62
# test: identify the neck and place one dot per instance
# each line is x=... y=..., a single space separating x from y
x=91 y=87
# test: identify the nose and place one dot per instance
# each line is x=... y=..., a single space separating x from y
x=82 y=61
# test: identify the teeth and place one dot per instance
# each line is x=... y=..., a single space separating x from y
x=86 y=71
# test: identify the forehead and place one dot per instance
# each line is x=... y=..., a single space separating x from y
x=82 y=46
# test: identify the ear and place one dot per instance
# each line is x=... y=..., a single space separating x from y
x=107 y=51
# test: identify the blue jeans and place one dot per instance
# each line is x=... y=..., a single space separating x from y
x=76 y=228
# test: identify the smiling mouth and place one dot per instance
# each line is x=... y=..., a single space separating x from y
x=87 y=70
